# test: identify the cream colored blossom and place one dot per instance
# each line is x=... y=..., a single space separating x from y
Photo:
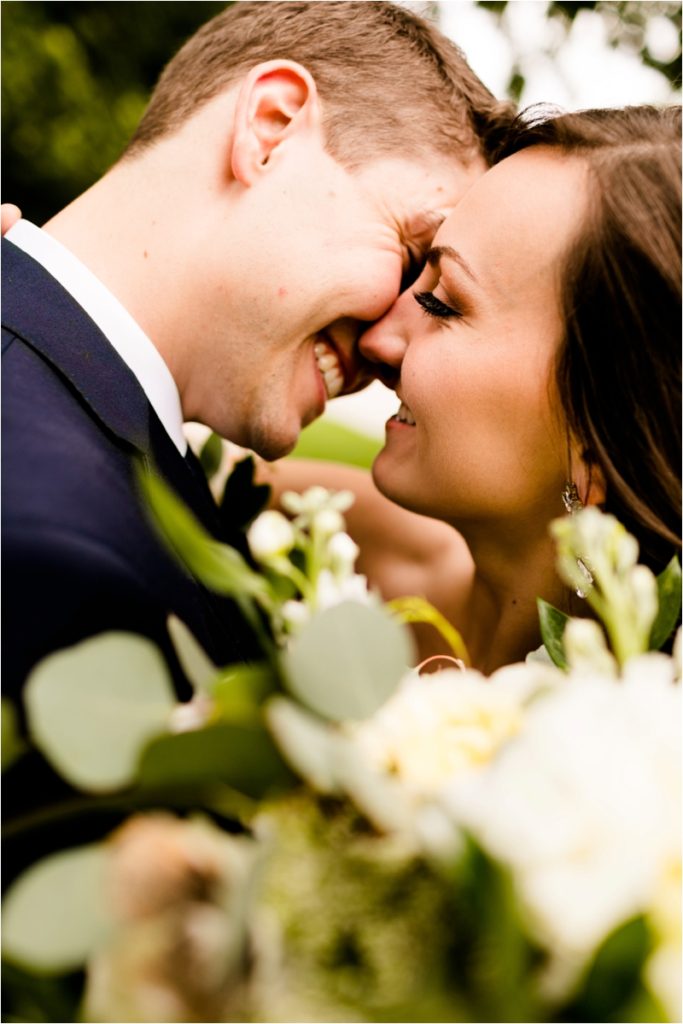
x=270 y=536
x=177 y=892
x=586 y=648
x=342 y=553
x=439 y=727
x=331 y=591
x=584 y=805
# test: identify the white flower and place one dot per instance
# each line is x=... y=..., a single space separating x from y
x=270 y=536
x=584 y=805
x=438 y=727
x=331 y=591
x=586 y=648
x=327 y=522
x=295 y=614
x=623 y=593
x=315 y=499
x=342 y=552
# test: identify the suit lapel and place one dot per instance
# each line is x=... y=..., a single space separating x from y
x=46 y=317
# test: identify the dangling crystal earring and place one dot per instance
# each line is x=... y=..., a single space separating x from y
x=573 y=504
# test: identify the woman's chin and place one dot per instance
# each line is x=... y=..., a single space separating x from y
x=393 y=480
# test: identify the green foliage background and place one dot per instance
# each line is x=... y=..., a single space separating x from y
x=75 y=80
x=76 y=77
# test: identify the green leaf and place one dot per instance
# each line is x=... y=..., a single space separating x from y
x=13 y=746
x=40 y=998
x=220 y=567
x=308 y=743
x=347 y=661
x=613 y=982
x=92 y=707
x=53 y=915
x=553 y=623
x=211 y=455
x=417 y=609
x=241 y=755
x=194 y=660
x=669 y=595
x=491 y=944
x=240 y=690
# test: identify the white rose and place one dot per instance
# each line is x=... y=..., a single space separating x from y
x=270 y=536
x=439 y=727
x=584 y=805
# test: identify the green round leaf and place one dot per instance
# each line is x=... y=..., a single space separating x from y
x=240 y=755
x=53 y=914
x=195 y=662
x=92 y=707
x=347 y=661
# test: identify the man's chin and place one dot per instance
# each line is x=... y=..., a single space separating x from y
x=272 y=448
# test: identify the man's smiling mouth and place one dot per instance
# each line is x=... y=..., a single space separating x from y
x=330 y=368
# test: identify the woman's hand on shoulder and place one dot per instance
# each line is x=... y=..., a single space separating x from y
x=9 y=215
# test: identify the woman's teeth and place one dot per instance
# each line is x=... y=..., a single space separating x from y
x=330 y=368
x=404 y=415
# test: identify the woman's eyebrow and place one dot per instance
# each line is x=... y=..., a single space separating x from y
x=439 y=252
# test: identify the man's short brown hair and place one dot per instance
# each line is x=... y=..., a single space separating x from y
x=390 y=83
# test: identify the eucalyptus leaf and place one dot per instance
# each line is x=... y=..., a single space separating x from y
x=669 y=607
x=241 y=755
x=211 y=455
x=53 y=914
x=13 y=746
x=347 y=661
x=92 y=707
x=194 y=660
x=553 y=623
x=240 y=690
x=308 y=743
x=220 y=567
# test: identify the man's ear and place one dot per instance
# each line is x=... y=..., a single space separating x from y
x=276 y=100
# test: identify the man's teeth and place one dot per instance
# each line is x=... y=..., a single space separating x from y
x=404 y=415
x=330 y=368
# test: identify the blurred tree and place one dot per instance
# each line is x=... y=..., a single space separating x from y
x=650 y=29
x=75 y=80
x=76 y=77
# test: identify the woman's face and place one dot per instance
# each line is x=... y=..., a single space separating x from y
x=479 y=435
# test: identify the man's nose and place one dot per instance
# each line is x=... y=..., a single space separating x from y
x=383 y=346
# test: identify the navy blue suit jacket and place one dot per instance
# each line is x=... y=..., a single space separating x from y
x=78 y=552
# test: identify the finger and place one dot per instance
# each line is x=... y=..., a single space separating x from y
x=9 y=215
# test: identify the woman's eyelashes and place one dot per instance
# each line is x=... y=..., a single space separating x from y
x=435 y=307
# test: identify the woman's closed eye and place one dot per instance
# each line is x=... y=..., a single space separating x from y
x=435 y=307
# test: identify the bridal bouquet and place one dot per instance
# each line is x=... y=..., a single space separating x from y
x=329 y=836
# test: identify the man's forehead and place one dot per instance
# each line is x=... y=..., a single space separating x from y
x=420 y=227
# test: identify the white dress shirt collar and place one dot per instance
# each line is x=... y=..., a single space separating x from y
x=124 y=334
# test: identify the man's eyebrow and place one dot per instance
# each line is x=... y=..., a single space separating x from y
x=439 y=252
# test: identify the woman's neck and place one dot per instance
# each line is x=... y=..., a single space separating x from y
x=499 y=616
x=494 y=602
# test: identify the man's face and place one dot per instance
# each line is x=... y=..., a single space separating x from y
x=311 y=255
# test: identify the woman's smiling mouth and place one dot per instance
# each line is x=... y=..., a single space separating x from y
x=404 y=415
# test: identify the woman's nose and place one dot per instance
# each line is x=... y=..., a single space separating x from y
x=384 y=345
